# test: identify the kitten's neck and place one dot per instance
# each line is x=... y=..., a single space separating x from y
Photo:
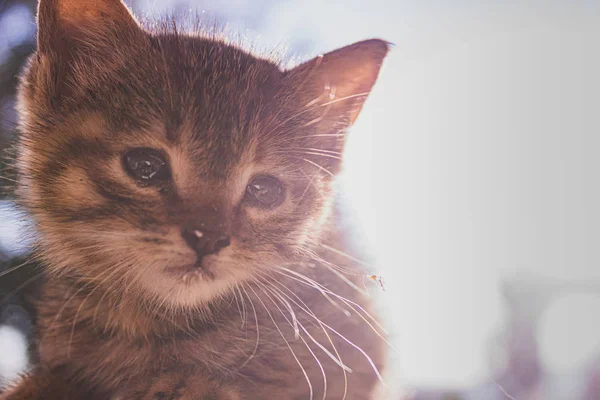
x=97 y=309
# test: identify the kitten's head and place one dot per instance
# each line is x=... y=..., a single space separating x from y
x=176 y=165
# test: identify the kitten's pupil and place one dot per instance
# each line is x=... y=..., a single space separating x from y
x=146 y=165
x=265 y=191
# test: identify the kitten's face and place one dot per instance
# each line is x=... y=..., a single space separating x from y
x=174 y=166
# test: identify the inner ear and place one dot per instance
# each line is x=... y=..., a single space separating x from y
x=64 y=23
x=342 y=79
x=331 y=90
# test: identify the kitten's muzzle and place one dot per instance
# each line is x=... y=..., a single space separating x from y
x=205 y=242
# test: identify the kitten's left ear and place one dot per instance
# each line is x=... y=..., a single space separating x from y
x=341 y=80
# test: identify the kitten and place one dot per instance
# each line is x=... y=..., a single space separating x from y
x=183 y=191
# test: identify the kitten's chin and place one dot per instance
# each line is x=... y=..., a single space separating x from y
x=191 y=289
x=191 y=273
x=192 y=285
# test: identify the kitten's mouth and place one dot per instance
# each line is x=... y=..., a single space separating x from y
x=192 y=272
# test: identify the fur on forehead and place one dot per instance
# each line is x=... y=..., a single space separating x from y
x=95 y=57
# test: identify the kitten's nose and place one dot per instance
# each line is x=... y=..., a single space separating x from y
x=205 y=242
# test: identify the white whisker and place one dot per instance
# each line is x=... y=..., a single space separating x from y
x=314 y=153
x=257 y=329
x=341 y=253
x=318 y=166
x=367 y=357
x=285 y=340
x=344 y=98
x=315 y=285
x=307 y=309
x=283 y=301
x=346 y=280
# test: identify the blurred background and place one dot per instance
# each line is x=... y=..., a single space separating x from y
x=474 y=168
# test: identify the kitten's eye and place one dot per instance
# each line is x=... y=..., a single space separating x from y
x=265 y=191
x=146 y=165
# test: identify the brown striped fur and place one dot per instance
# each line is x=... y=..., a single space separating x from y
x=113 y=323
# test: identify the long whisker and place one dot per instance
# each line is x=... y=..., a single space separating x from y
x=237 y=304
x=16 y=267
x=373 y=366
x=295 y=138
x=294 y=322
x=343 y=254
x=338 y=153
x=344 y=98
x=257 y=329
x=316 y=165
x=311 y=283
x=319 y=287
x=314 y=153
x=294 y=325
x=282 y=123
x=338 y=359
x=308 y=310
x=286 y=342
x=244 y=311
x=328 y=106
x=342 y=269
x=311 y=182
x=346 y=280
x=21 y=286
x=8 y=179
x=316 y=285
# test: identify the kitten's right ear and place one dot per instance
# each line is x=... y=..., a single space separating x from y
x=342 y=79
x=63 y=24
